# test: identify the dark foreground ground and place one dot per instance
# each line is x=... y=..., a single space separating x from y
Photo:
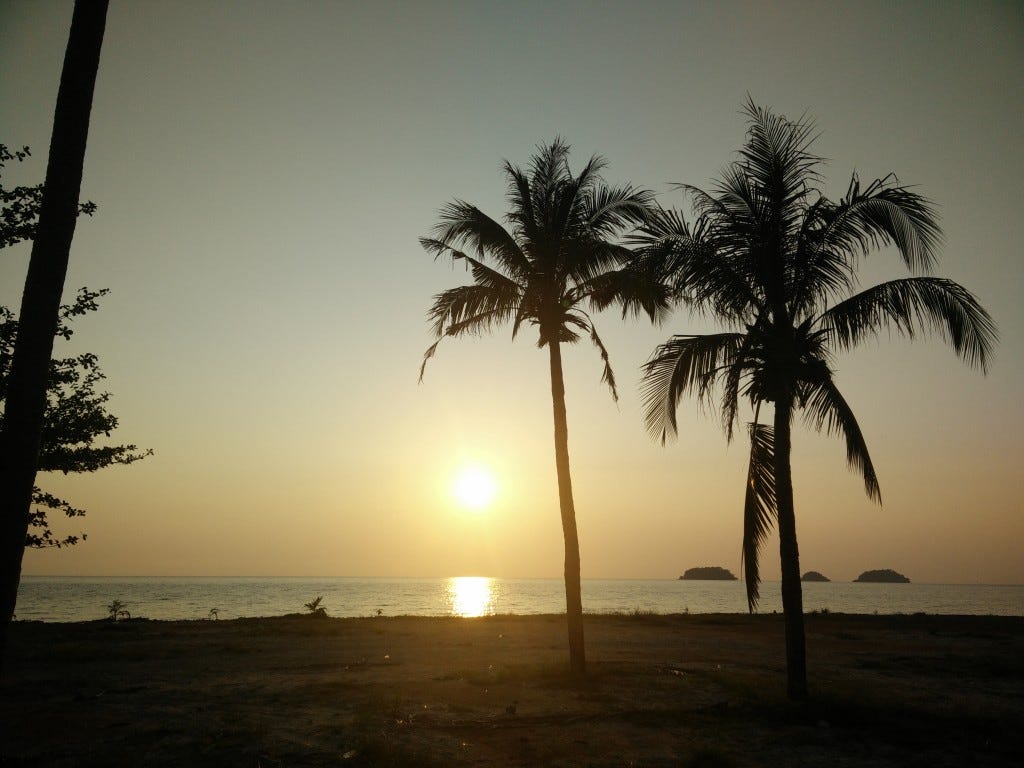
x=662 y=691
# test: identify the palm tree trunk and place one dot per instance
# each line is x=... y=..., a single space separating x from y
x=573 y=593
x=40 y=303
x=789 y=553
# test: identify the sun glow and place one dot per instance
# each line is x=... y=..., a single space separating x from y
x=471 y=596
x=475 y=487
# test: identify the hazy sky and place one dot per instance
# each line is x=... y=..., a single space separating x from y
x=263 y=171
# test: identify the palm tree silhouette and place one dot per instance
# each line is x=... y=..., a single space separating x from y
x=558 y=254
x=775 y=260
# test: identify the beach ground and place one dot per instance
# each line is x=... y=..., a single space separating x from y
x=681 y=690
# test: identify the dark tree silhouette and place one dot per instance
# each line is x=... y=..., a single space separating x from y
x=76 y=418
x=20 y=204
x=40 y=304
x=559 y=253
x=777 y=262
x=75 y=413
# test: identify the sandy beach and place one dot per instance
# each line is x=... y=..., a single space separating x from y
x=682 y=690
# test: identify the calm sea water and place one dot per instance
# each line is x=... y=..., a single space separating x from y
x=60 y=598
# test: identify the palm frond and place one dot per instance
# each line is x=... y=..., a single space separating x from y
x=737 y=203
x=731 y=384
x=564 y=198
x=472 y=308
x=759 y=506
x=584 y=257
x=550 y=163
x=777 y=157
x=582 y=320
x=563 y=334
x=825 y=408
x=530 y=304
x=913 y=305
x=682 y=365
x=735 y=215
x=462 y=224
x=819 y=270
x=521 y=213
x=635 y=288
x=659 y=224
x=881 y=214
x=609 y=210
x=467 y=309
x=607 y=374
x=690 y=260
x=549 y=170
x=482 y=273
x=426 y=356
x=658 y=241
x=736 y=222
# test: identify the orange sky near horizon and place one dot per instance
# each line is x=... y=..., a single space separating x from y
x=263 y=173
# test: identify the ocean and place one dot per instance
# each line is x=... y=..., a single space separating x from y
x=65 y=598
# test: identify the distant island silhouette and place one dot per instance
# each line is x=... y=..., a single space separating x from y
x=883 y=576
x=708 y=573
x=814 y=576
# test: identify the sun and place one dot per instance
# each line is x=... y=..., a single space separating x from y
x=475 y=487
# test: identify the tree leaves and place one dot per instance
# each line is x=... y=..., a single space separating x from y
x=911 y=306
x=759 y=509
x=560 y=249
x=19 y=205
x=76 y=417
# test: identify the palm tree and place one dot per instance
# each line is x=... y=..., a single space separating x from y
x=115 y=609
x=558 y=253
x=776 y=261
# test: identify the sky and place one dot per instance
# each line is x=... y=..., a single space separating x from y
x=263 y=171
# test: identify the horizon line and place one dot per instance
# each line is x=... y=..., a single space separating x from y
x=501 y=578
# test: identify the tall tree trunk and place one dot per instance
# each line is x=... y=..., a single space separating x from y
x=792 y=593
x=573 y=594
x=40 y=302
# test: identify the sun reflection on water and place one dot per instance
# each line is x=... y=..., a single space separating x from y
x=470 y=595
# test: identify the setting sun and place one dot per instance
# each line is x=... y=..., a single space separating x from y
x=475 y=487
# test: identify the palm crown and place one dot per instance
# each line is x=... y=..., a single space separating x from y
x=558 y=253
x=776 y=261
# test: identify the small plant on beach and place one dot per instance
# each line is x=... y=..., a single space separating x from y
x=118 y=611
x=638 y=611
x=314 y=607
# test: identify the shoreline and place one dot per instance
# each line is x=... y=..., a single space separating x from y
x=696 y=689
x=638 y=613
x=75 y=599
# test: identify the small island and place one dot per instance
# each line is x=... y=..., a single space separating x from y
x=883 y=576
x=708 y=573
x=814 y=576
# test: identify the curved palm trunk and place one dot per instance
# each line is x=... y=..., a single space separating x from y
x=573 y=595
x=40 y=303
x=792 y=593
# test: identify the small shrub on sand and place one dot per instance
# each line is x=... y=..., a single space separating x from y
x=314 y=607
